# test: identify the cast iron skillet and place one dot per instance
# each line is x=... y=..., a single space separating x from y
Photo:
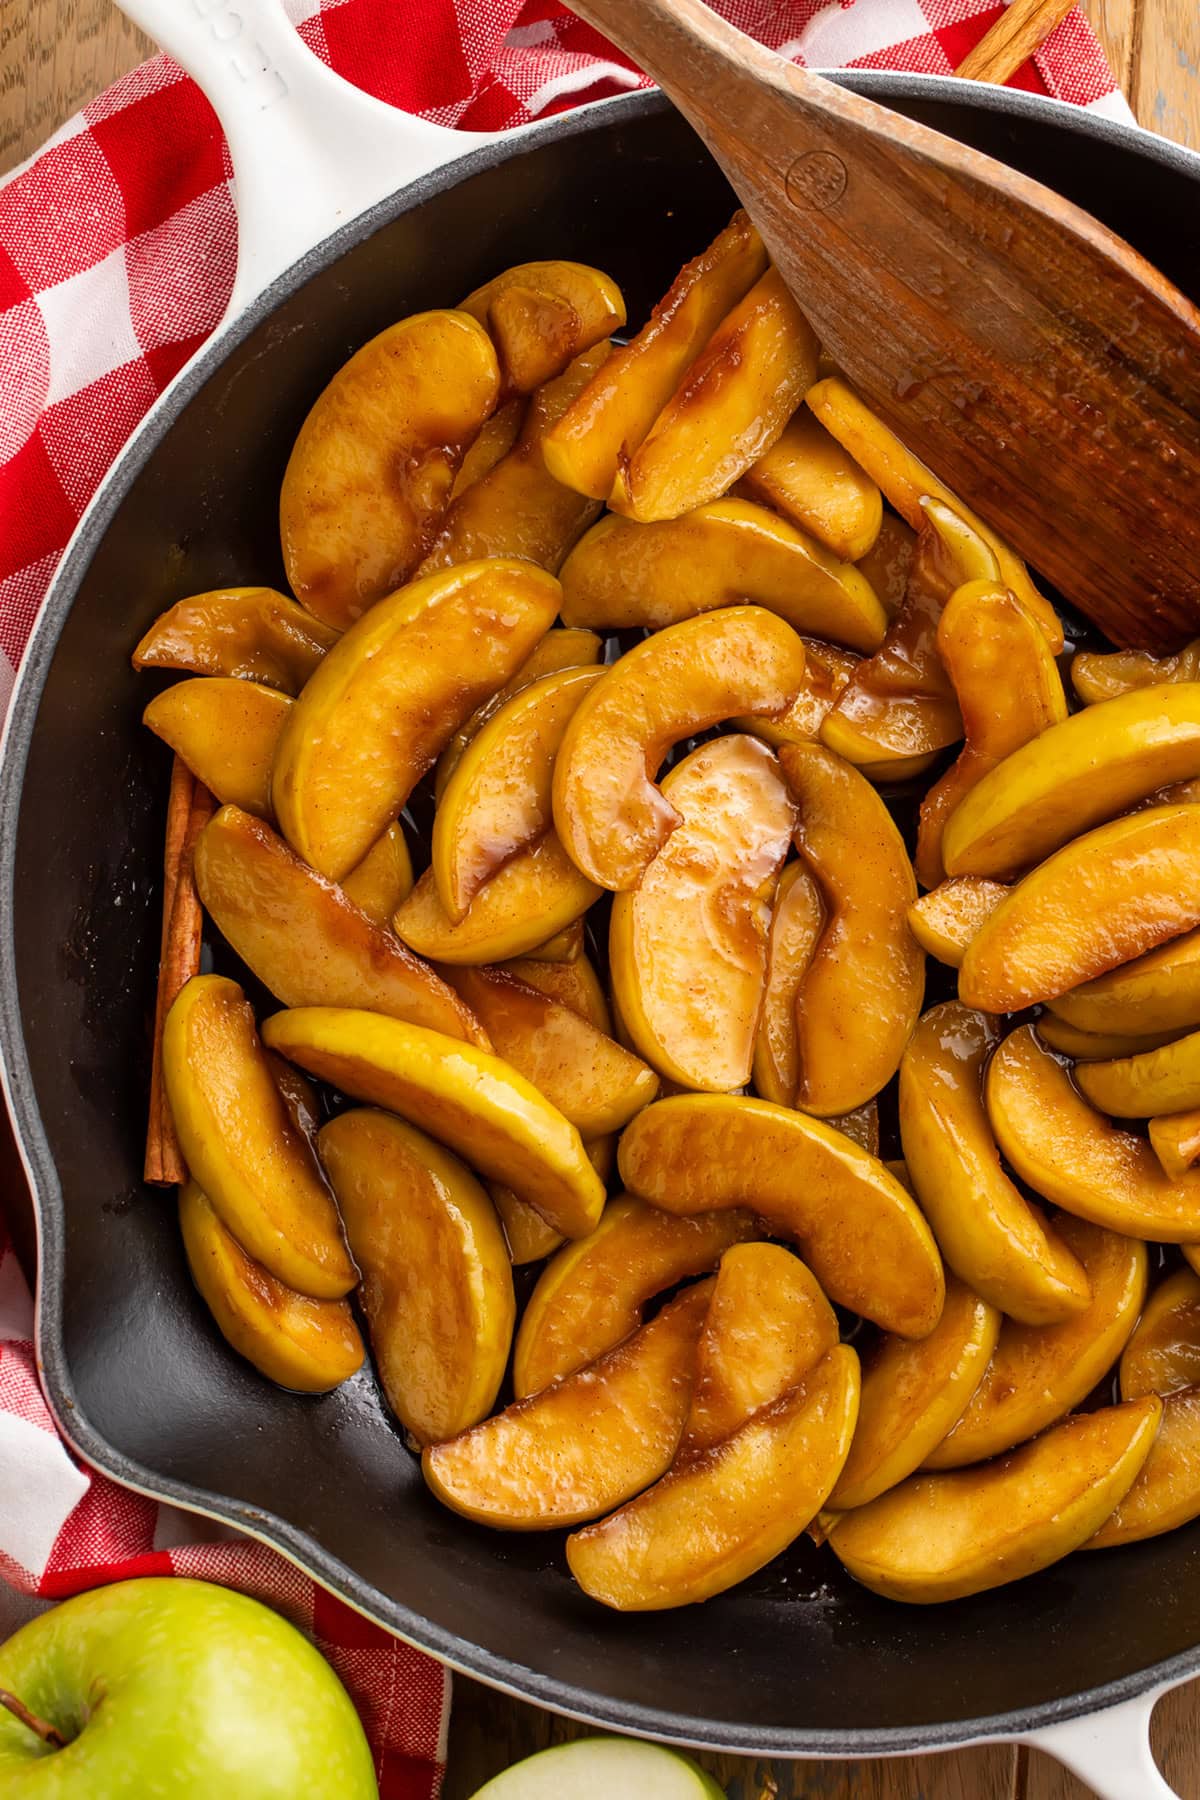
x=797 y=1661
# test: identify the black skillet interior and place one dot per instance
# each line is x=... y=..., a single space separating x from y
x=797 y=1660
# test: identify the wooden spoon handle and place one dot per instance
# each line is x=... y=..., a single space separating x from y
x=1020 y=30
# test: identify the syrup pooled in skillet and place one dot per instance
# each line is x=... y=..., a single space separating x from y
x=645 y=717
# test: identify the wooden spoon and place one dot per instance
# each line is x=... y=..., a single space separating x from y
x=1039 y=364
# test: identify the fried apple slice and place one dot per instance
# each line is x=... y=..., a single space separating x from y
x=768 y=1325
x=827 y=672
x=592 y=1081
x=254 y=1166
x=1084 y=770
x=887 y=565
x=1175 y=1140
x=585 y=1443
x=383 y=878
x=808 y=477
x=688 y=947
x=529 y=1237
x=944 y=920
x=797 y=921
x=1008 y=690
x=1166 y=1493
x=726 y=553
x=543 y=314
x=1039 y=1373
x=718 y=1517
x=1095 y=1046
x=436 y=1280
x=561 y=648
x=858 y=1230
x=494 y=440
x=1159 y=991
x=1096 y=678
x=305 y=940
x=388 y=697
x=593 y=1294
x=531 y=899
x=372 y=467
x=1163 y=1355
x=621 y=402
x=610 y=816
x=940 y=1537
x=1146 y=1083
x=250 y=633
x=913 y=1393
x=565 y=946
x=227 y=731
x=517 y=508
x=1074 y=1156
x=861 y=994
x=989 y=1234
x=574 y=984
x=731 y=406
x=311 y=1346
x=1098 y=902
x=468 y=1099
x=906 y=483
x=498 y=800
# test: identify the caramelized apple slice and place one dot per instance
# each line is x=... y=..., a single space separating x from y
x=913 y=1393
x=1175 y=1140
x=1008 y=690
x=494 y=439
x=1087 y=768
x=498 y=800
x=1074 y=1156
x=240 y=1145
x=797 y=921
x=1098 y=902
x=861 y=994
x=768 y=1325
x=591 y=1297
x=688 y=947
x=529 y=1237
x=373 y=465
x=940 y=1537
x=808 y=477
x=389 y=696
x=1145 y=1084
x=858 y=1230
x=565 y=946
x=251 y=633
x=944 y=920
x=1163 y=1355
x=1038 y=1373
x=1096 y=678
x=620 y=404
x=308 y=1345
x=467 y=1098
x=717 y=1518
x=726 y=553
x=592 y=1081
x=559 y=649
x=585 y=1443
x=573 y=983
x=827 y=673
x=436 y=1280
x=305 y=940
x=531 y=899
x=906 y=483
x=517 y=508
x=227 y=731
x=987 y=1231
x=887 y=565
x=1166 y=1493
x=1159 y=991
x=383 y=878
x=610 y=816
x=1095 y=1046
x=732 y=405
x=541 y=314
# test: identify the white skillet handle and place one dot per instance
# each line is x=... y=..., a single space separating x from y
x=309 y=151
x=1110 y=1750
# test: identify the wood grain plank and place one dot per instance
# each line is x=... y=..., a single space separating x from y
x=1166 y=78
x=54 y=55
x=1115 y=23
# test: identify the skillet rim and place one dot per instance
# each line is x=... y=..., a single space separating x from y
x=16 y=1078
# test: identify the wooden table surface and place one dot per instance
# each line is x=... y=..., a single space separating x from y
x=54 y=54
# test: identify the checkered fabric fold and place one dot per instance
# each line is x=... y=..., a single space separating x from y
x=117 y=250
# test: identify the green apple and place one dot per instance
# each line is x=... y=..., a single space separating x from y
x=175 y=1690
x=601 y=1768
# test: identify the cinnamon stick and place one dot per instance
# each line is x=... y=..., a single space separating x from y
x=1017 y=33
x=189 y=808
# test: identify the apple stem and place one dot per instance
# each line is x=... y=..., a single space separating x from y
x=48 y=1733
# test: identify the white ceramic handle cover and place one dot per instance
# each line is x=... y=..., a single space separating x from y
x=309 y=151
x=1110 y=1750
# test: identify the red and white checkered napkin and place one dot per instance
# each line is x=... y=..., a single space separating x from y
x=116 y=259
